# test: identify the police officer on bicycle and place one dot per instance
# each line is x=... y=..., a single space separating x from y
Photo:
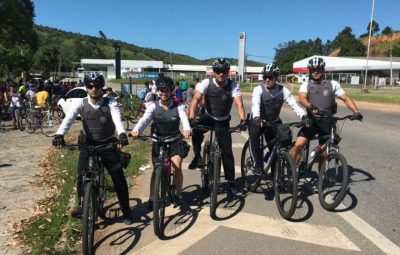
x=318 y=96
x=267 y=102
x=220 y=92
x=100 y=119
x=167 y=115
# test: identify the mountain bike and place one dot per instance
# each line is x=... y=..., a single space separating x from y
x=164 y=185
x=284 y=177
x=135 y=112
x=211 y=170
x=333 y=173
x=94 y=193
x=43 y=120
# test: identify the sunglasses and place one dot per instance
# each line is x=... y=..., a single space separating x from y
x=164 y=90
x=269 y=77
x=220 y=71
x=93 y=85
x=316 y=70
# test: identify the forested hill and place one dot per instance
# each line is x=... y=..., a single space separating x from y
x=71 y=47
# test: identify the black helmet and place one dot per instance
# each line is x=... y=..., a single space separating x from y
x=165 y=82
x=270 y=70
x=221 y=65
x=94 y=79
x=316 y=62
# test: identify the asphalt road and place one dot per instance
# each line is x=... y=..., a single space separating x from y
x=367 y=222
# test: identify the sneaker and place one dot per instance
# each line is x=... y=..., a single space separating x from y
x=144 y=167
x=232 y=191
x=127 y=214
x=197 y=162
x=76 y=212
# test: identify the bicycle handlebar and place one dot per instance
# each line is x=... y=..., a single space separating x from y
x=72 y=146
x=160 y=139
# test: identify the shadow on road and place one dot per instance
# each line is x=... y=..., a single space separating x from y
x=116 y=239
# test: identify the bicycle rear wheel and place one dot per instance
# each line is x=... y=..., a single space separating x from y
x=285 y=185
x=205 y=173
x=31 y=122
x=50 y=125
x=160 y=199
x=88 y=219
x=333 y=180
x=214 y=182
x=251 y=180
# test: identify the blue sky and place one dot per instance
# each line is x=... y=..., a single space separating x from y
x=210 y=28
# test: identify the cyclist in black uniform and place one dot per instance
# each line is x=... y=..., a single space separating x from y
x=267 y=102
x=220 y=92
x=100 y=118
x=318 y=94
x=167 y=115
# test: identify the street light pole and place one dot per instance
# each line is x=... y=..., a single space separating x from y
x=369 y=43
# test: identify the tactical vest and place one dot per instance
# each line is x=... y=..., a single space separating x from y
x=97 y=123
x=321 y=95
x=271 y=105
x=166 y=122
x=218 y=100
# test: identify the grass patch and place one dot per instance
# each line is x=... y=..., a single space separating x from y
x=52 y=230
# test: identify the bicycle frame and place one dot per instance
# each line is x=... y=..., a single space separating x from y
x=327 y=146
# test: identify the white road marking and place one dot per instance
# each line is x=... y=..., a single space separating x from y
x=369 y=232
x=304 y=232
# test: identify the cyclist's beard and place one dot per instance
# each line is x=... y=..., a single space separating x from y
x=95 y=98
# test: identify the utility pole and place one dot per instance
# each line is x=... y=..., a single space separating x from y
x=369 y=43
x=172 y=69
x=391 y=69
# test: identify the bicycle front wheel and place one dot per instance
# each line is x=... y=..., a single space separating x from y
x=214 y=182
x=333 y=180
x=88 y=219
x=285 y=185
x=160 y=199
x=50 y=125
x=251 y=180
x=205 y=174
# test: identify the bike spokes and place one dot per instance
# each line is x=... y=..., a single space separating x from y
x=333 y=181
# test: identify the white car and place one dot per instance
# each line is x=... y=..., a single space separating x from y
x=73 y=97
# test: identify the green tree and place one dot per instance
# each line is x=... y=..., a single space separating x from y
x=47 y=58
x=375 y=27
x=387 y=31
x=17 y=36
x=349 y=45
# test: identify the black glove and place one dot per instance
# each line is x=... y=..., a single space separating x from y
x=358 y=116
x=194 y=122
x=58 y=141
x=313 y=109
x=306 y=121
x=123 y=139
x=242 y=125
x=258 y=121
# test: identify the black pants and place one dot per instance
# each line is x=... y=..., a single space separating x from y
x=112 y=162
x=255 y=133
x=224 y=142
